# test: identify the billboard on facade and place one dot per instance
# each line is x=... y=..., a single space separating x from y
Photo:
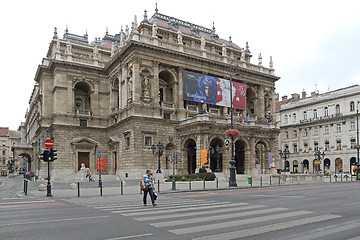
x=208 y=89
x=271 y=160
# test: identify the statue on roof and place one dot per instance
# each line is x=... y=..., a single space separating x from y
x=179 y=37
x=202 y=43
x=154 y=29
x=95 y=51
x=260 y=59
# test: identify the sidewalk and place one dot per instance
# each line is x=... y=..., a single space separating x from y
x=131 y=187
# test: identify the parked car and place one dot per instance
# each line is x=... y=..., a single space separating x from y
x=343 y=175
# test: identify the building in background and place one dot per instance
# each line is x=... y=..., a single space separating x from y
x=8 y=138
x=321 y=122
x=165 y=81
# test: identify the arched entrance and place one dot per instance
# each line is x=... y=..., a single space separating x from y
x=25 y=163
x=316 y=166
x=190 y=147
x=338 y=165
x=306 y=166
x=216 y=160
x=326 y=166
x=240 y=157
x=295 y=166
x=353 y=166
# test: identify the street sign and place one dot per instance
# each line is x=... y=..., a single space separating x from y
x=99 y=154
x=227 y=142
x=49 y=143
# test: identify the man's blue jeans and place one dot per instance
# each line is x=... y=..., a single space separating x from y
x=151 y=193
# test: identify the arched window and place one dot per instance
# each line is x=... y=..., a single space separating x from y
x=294 y=117
x=326 y=111
x=352 y=106
x=305 y=115
x=315 y=113
x=337 y=109
x=82 y=98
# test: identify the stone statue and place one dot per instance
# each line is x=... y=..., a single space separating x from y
x=154 y=29
x=260 y=59
x=82 y=168
x=202 y=43
x=179 y=37
x=95 y=51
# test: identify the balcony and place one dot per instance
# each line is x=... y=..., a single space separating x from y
x=311 y=120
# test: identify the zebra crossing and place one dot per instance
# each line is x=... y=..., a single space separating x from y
x=200 y=219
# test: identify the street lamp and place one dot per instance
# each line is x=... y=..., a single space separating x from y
x=232 y=182
x=318 y=155
x=219 y=151
x=285 y=155
x=159 y=152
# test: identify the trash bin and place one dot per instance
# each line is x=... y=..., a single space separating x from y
x=249 y=180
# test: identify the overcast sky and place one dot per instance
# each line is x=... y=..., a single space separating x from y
x=315 y=44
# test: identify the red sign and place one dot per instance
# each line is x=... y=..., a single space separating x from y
x=102 y=164
x=49 y=143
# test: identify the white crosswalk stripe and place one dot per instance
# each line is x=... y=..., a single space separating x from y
x=209 y=220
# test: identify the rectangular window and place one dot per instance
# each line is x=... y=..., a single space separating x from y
x=167 y=116
x=294 y=134
x=148 y=141
x=83 y=123
x=305 y=133
x=327 y=146
x=326 y=129
x=127 y=142
x=3 y=152
x=295 y=148
x=352 y=143
x=286 y=135
x=338 y=144
x=306 y=148
x=3 y=143
x=352 y=126
x=316 y=131
x=338 y=127
x=316 y=146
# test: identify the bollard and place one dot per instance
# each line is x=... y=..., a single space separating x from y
x=270 y=180
x=189 y=183
x=217 y=182
x=78 y=189
x=229 y=182
x=204 y=184
x=158 y=185
x=330 y=177
x=100 y=183
x=122 y=188
x=24 y=184
x=140 y=187
x=26 y=188
x=279 y=180
x=341 y=177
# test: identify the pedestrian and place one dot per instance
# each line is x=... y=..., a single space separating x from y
x=148 y=187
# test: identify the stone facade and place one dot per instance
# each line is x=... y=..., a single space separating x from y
x=321 y=122
x=124 y=93
x=8 y=138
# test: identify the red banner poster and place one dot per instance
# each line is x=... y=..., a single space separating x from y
x=102 y=164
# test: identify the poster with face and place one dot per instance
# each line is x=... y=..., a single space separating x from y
x=207 y=89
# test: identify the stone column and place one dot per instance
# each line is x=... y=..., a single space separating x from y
x=70 y=97
x=252 y=169
x=273 y=108
x=260 y=104
x=136 y=81
x=155 y=84
x=124 y=88
x=180 y=88
x=198 y=148
x=95 y=99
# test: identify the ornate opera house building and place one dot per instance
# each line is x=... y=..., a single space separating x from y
x=163 y=80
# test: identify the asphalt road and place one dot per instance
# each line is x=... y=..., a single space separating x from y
x=326 y=211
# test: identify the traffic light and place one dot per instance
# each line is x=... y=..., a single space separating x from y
x=45 y=156
x=53 y=154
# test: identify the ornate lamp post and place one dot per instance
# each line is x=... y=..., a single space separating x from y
x=219 y=151
x=285 y=155
x=159 y=152
x=232 y=182
x=318 y=155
